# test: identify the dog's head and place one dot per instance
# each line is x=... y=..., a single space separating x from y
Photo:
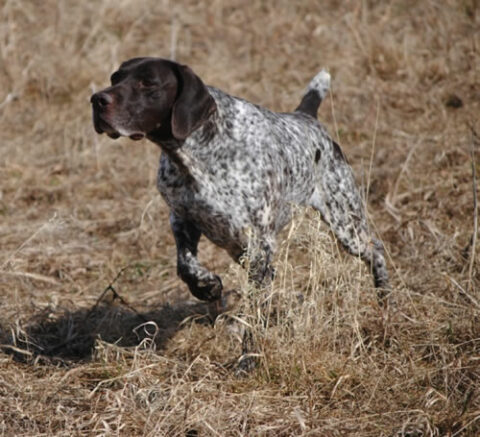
x=152 y=97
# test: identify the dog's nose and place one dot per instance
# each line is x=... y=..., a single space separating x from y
x=101 y=99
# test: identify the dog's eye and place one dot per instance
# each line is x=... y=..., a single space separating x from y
x=145 y=83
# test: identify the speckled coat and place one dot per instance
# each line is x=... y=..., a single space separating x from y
x=246 y=167
x=232 y=170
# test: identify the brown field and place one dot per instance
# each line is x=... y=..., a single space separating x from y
x=97 y=334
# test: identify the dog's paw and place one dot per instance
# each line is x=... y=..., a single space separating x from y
x=246 y=365
x=249 y=360
x=209 y=289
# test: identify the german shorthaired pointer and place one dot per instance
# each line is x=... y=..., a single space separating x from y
x=231 y=170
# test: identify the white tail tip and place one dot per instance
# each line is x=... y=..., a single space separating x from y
x=320 y=83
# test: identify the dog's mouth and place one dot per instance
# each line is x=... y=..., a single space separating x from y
x=101 y=126
x=136 y=136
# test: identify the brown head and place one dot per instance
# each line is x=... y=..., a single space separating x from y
x=152 y=97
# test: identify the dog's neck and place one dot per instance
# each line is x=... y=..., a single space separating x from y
x=184 y=157
x=163 y=136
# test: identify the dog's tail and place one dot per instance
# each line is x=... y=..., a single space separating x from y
x=316 y=91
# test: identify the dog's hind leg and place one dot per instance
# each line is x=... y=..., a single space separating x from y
x=260 y=254
x=338 y=200
x=260 y=274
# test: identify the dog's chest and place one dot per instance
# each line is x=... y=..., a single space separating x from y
x=188 y=195
x=210 y=201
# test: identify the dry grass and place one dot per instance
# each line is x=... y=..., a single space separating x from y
x=76 y=209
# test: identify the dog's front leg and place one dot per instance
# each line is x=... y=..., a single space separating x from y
x=202 y=283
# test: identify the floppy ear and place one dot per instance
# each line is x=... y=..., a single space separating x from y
x=193 y=105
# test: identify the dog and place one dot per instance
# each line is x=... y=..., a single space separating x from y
x=231 y=170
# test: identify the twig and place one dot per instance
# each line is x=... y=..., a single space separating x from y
x=9 y=98
x=403 y=170
x=16 y=349
x=464 y=292
x=332 y=108
x=28 y=240
x=116 y=295
x=372 y=152
x=475 y=140
x=173 y=37
x=34 y=276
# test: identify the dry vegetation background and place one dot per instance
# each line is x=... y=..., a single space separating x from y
x=99 y=337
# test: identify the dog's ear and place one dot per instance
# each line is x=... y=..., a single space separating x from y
x=193 y=105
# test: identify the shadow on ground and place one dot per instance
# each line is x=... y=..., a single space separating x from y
x=69 y=336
